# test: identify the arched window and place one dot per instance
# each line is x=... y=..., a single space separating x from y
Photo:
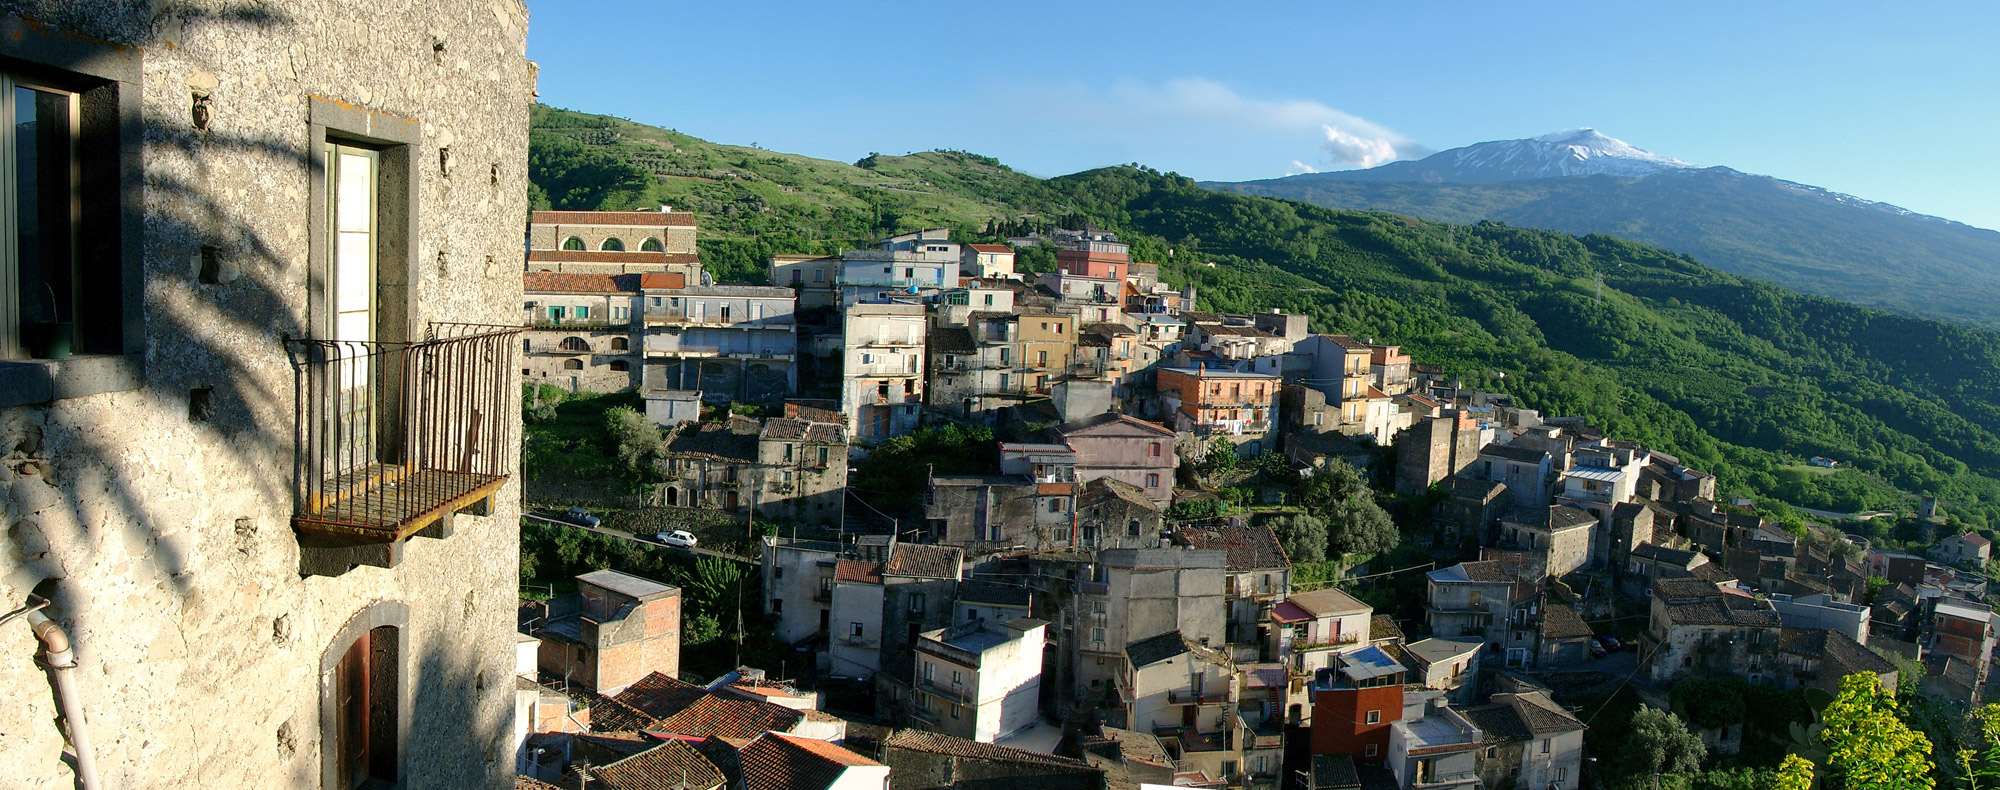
x=1156 y=450
x=651 y=245
x=575 y=344
x=574 y=243
x=620 y=365
x=613 y=244
x=572 y=364
x=620 y=344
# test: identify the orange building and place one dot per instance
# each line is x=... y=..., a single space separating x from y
x=1355 y=703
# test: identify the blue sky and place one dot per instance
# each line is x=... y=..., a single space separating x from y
x=1890 y=102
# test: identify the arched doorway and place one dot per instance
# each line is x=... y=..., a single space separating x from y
x=364 y=700
x=673 y=496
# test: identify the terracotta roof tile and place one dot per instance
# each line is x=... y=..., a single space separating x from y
x=991 y=247
x=1562 y=622
x=1247 y=548
x=934 y=562
x=858 y=572
x=650 y=219
x=783 y=762
x=578 y=282
x=939 y=743
x=663 y=281
x=731 y=718
x=658 y=696
x=673 y=765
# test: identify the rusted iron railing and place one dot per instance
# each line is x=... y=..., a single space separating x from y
x=392 y=436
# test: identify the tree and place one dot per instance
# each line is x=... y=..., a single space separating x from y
x=1795 y=773
x=1303 y=537
x=638 y=439
x=1868 y=746
x=1359 y=526
x=1659 y=743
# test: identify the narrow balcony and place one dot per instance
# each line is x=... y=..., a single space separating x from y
x=1186 y=697
x=958 y=694
x=392 y=439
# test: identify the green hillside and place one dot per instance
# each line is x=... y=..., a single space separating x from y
x=1735 y=375
x=754 y=203
x=1757 y=226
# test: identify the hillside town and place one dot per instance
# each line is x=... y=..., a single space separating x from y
x=319 y=469
x=1087 y=610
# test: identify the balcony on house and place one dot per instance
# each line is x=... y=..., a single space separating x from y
x=394 y=438
x=1193 y=697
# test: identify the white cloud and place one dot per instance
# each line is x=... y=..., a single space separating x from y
x=1300 y=167
x=1341 y=139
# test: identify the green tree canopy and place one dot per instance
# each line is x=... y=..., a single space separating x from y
x=1658 y=742
x=1303 y=537
x=1868 y=745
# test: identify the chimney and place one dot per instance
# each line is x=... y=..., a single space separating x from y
x=666 y=209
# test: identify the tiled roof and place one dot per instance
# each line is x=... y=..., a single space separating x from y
x=716 y=441
x=1552 y=518
x=1542 y=715
x=1382 y=626
x=1246 y=548
x=1833 y=647
x=649 y=219
x=952 y=340
x=1722 y=610
x=1666 y=556
x=1334 y=772
x=730 y=718
x=1498 y=722
x=1347 y=343
x=1562 y=622
x=1112 y=419
x=658 y=696
x=788 y=429
x=673 y=765
x=1105 y=489
x=1685 y=589
x=931 y=562
x=1480 y=571
x=991 y=247
x=858 y=572
x=578 y=283
x=784 y=762
x=815 y=410
x=663 y=281
x=1156 y=648
x=938 y=743
x=530 y=783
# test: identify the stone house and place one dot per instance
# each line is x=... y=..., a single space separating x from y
x=1559 y=534
x=920 y=760
x=1137 y=453
x=1525 y=471
x=730 y=342
x=1820 y=658
x=613 y=242
x=1256 y=575
x=798 y=585
x=1648 y=561
x=1530 y=742
x=882 y=373
x=1962 y=630
x=1696 y=628
x=616 y=629
x=580 y=330
x=854 y=632
x=1485 y=599
x=163 y=497
x=1434 y=449
x=1447 y=665
x=1185 y=693
x=1472 y=509
x=777 y=469
x=1966 y=548
x=1562 y=637
x=980 y=680
x=983 y=513
x=919 y=584
x=1111 y=514
x=1123 y=595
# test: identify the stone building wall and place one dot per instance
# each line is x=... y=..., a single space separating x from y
x=596 y=370
x=155 y=512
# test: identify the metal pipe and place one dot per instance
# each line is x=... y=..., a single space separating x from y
x=60 y=659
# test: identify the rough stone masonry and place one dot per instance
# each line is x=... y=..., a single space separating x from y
x=147 y=486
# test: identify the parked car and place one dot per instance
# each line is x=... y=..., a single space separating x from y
x=579 y=517
x=1610 y=643
x=679 y=537
x=1596 y=649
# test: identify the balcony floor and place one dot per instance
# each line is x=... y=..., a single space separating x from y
x=389 y=504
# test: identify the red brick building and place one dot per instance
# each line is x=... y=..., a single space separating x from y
x=1355 y=702
x=616 y=629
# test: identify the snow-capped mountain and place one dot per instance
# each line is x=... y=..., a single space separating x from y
x=1577 y=152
